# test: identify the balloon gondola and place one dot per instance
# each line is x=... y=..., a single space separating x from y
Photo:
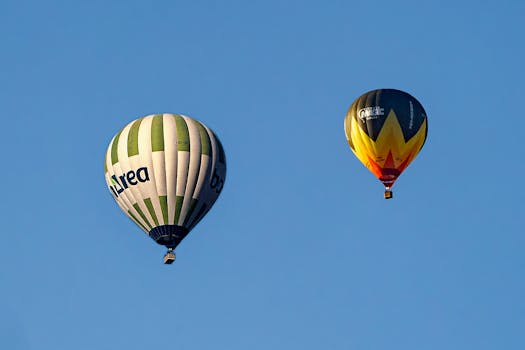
x=169 y=258
x=165 y=171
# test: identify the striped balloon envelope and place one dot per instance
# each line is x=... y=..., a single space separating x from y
x=165 y=171
x=386 y=129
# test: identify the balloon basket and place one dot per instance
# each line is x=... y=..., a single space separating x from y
x=169 y=258
x=388 y=194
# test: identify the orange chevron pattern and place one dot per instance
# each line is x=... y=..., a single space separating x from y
x=389 y=155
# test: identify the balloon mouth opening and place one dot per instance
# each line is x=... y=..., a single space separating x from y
x=388 y=183
x=168 y=235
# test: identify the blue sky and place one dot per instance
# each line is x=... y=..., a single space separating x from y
x=300 y=251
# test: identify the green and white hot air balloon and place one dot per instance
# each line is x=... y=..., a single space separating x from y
x=165 y=171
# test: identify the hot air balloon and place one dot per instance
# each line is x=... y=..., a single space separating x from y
x=386 y=129
x=165 y=171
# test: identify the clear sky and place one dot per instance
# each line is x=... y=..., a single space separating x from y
x=301 y=251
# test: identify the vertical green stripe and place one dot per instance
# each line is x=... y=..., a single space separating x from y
x=205 y=140
x=134 y=218
x=137 y=208
x=183 y=135
x=151 y=210
x=106 y=163
x=164 y=207
x=193 y=204
x=114 y=148
x=178 y=207
x=133 y=138
x=157 y=133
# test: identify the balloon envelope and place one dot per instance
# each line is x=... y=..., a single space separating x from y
x=386 y=129
x=165 y=171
